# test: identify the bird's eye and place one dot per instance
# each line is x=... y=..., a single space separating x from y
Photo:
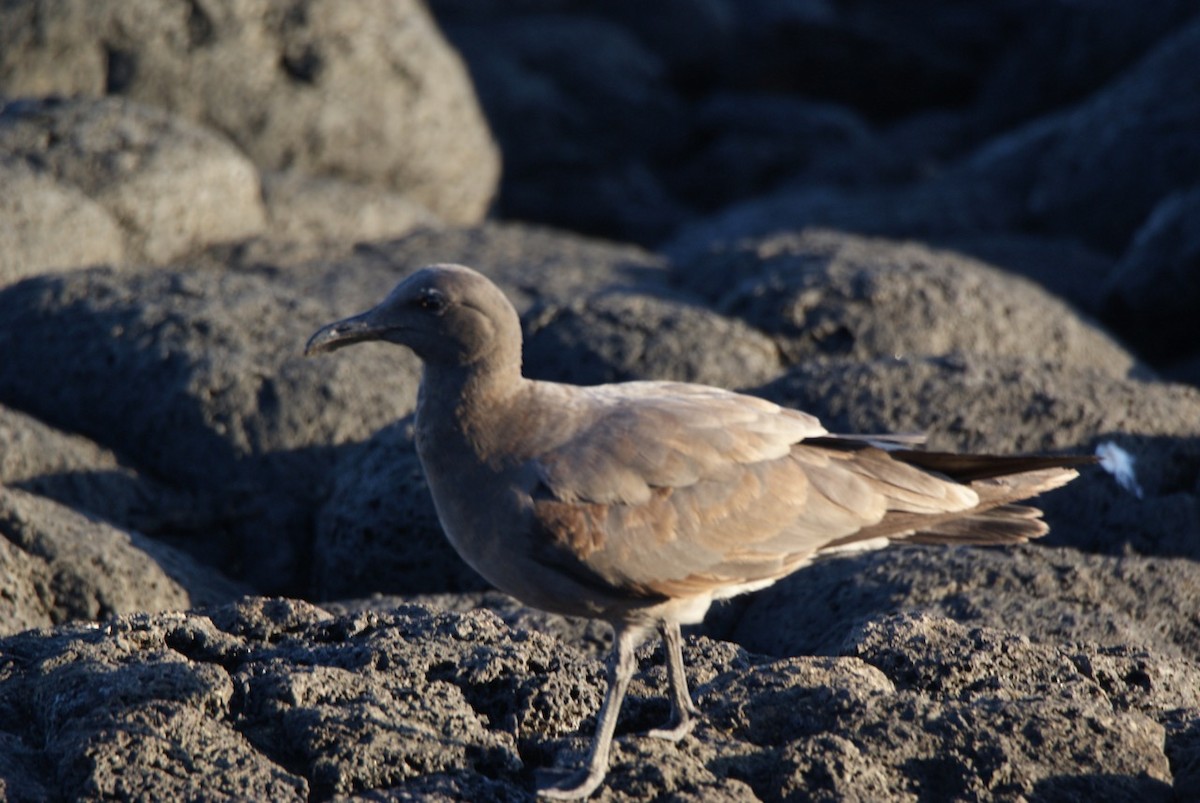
x=431 y=300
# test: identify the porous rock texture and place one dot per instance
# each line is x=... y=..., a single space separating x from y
x=365 y=90
x=279 y=699
x=169 y=187
x=972 y=220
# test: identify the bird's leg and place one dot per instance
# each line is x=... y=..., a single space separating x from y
x=620 y=672
x=681 y=722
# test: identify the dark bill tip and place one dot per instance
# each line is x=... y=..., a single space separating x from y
x=339 y=334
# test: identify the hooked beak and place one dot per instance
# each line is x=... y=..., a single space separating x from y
x=343 y=333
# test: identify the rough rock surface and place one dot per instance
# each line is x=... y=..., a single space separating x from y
x=534 y=264
x=64 y=565
x=303 y=209
x=620 y=336
x=1063 y=266
x=78 y=473
x=582 y=92
x=197 y=378
x=1090 y=172
x=292 y=703
x=364 y=90
x=824 y=293
x=171 y=187
x=34 y=209
x=378 y=531
x=1047 y=595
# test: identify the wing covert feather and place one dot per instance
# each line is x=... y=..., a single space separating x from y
x=673 y=489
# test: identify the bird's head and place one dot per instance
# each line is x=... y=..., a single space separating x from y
x=447 y=314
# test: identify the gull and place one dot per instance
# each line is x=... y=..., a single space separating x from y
x=640 y=503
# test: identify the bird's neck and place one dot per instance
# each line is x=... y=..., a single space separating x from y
x=464 y=403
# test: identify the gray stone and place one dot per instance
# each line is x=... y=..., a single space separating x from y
x=1107 y=166
x=1065 y=52
x=533 y=264
x=1049 y=596
x=1063 y=266
x=1093 y=172
x=65 y=565
x=1152 y=295
x=171 y=186
x=197 y=378
x=35 y=210
x=398 y=704
x=824 y=293
x=590 y=636
x=999 y=404
x=361 y=90
x=754 y=142
x=80 y=474
x=620 y=336
x=576 y=91
x=303 y=209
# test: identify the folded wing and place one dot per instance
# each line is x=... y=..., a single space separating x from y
x=674 y=489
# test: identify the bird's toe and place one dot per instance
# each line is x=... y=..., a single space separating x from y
x=561 y=784
x=674 y=730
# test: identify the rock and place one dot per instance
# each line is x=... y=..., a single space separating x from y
x=197 y=378
x=1099 y=176
x=1074 y=173
x=35 y=209
x=590 y=636
x=1154 y=290
x=303 y=209
x=937 y=209
x=823 y=293
x=1048 y=595
x=294 y=703
x=171 y=186
x=579 y=93
x=998 y=404
x=378 y=530
x=692 y=38
x=1047 y=699
x=67 y=566
x=754 y=142
x=620 y=336
x=1064 y=53
x=78 y=473
x=361 y=90
x=532 y=264
x=1187 y=371
x=1007 y=405
x=852 y=54
x=834 y=729
x=1063 y=266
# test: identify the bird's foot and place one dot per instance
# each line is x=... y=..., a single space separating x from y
x=675 y=729
x=563 y=784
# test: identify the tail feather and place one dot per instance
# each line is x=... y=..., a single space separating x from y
x=998 y=481
x=1005 y=524
x=970 y=468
